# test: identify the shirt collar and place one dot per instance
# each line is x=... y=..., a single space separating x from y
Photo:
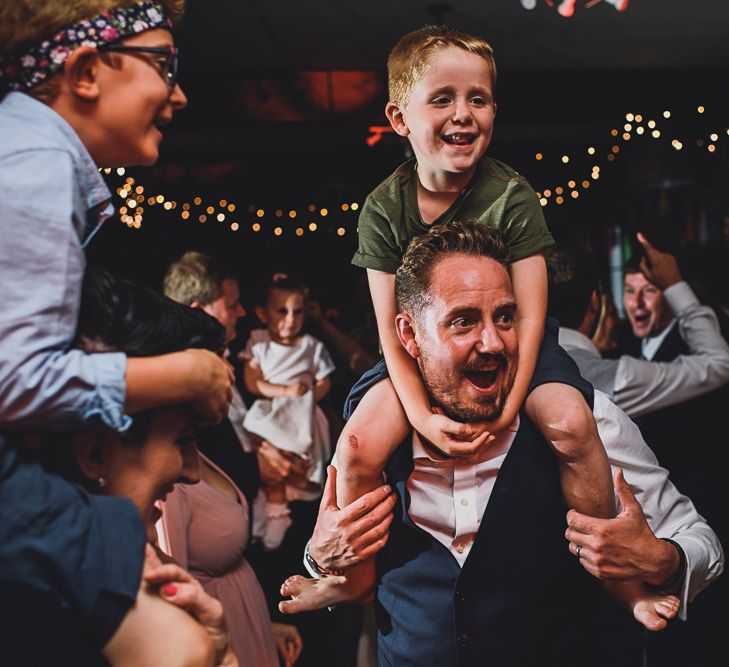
x=94 y=192
x=576 y=340
x=650 y=344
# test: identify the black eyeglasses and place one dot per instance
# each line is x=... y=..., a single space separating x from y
x=167 y=68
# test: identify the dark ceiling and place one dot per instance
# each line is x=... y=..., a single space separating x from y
x=342 y=34
x=282 y=94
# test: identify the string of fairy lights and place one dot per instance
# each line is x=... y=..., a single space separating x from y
x=134 y=199
x=341 y=217
x=636 y=126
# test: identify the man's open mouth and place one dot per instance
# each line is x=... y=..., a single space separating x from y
x=460 y=138
x=483 y=379
x=641 y=317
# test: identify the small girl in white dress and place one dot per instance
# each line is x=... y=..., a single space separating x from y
x=290 y=371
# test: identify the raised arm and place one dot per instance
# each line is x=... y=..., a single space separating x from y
x=645 y=386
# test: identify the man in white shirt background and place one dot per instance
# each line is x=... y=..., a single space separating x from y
x=690 y=439
x=658 y=302
x=690 y=358
x=443 y=502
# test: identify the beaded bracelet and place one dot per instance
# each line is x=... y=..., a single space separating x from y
x=318 y=568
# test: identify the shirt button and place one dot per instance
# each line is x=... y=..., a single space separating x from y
x=460 y=548
x=464 y=502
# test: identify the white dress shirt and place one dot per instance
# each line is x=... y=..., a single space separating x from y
x=448 y=497
x=638 y=386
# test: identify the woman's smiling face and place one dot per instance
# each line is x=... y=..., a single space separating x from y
x=146 y=472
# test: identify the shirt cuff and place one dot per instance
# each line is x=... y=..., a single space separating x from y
x=692 y=556
x=680 y=297
x=108 y=406
x=385 y=264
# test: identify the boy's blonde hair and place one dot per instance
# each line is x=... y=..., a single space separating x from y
x=25 y=23
x=409 y=59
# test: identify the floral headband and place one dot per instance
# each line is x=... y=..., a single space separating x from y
x=28 y=70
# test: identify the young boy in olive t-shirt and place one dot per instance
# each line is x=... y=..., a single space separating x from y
x=441 y=98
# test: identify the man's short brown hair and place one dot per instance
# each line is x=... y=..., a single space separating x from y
x=412 y=279
x=25 y=23
x=192 y=278
x=409 y=58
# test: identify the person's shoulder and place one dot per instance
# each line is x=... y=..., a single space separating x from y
x=496 y=170
x=22 y=132
x=391 y=187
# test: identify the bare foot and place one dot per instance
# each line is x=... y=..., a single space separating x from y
x=655 y=610
x=651 y=609
x=311 y=594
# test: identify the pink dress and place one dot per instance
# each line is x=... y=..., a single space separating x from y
x=207 y=533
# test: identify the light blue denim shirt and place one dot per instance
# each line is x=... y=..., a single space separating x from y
x=52 y=201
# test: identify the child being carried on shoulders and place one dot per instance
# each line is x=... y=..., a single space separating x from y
x=441 y=84
x=290 y=370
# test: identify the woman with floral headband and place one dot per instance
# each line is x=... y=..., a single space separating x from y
x=90 y=85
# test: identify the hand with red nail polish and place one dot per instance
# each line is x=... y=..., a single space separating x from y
x=169 y=590
x=180 y=588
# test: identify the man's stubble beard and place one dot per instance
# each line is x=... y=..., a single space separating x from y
x=485 y=408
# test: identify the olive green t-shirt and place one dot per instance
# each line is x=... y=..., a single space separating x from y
x=497 y=196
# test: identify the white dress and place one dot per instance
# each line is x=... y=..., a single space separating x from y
x=296 y=425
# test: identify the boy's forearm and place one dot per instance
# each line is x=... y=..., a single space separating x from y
x=530 y=333
x=156 y=381
x=402 y=368
x=196 y=377
x=529 y=278
x=406 y=379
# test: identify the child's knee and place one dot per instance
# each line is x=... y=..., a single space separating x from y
x=356 y=454
x=578 y=421
x=568 y=424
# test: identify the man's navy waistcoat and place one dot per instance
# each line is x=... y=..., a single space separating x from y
x=520 y=599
